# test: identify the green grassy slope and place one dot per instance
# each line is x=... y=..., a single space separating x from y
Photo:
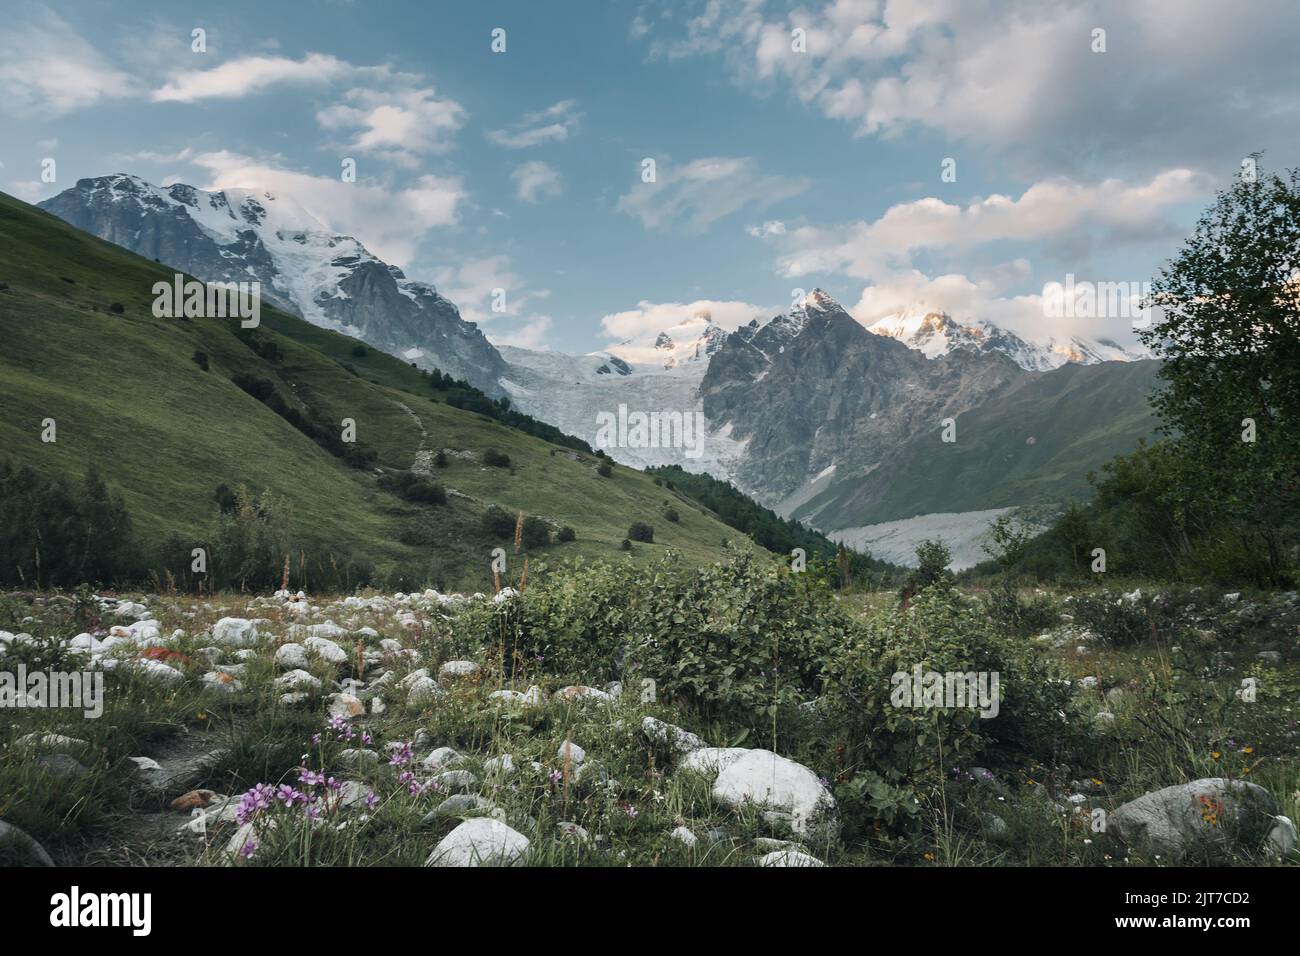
x=1032 y=446
x=128 y=398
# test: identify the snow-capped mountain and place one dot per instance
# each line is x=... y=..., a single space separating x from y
x=329 y=279
x=935 y=333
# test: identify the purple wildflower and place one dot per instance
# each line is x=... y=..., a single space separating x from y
x=401 y=755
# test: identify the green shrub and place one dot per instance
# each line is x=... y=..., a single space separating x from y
x=640 y=531
x=414 y=488
x=496 y=459
x=566 y=534
x=535 y=532
x=604 y=469
x=498 y=523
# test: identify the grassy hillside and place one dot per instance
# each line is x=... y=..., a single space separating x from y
x=82 y=347
x=1032 y=446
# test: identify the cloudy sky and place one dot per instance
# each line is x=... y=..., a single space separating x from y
x=794 y=145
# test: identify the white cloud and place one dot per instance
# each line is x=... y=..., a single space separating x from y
x=535 y=181
x=400 y=125
x=472 y=285
x=530 y=335
x=47 y=69
x=551 y=125
x=698 y=193
x=389 y=222
x=250 y=74
x=1052 y=212
x=652 y=317
x=1019 y=77
x=969 y=299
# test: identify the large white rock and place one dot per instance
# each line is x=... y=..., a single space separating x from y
x=325 y=649
x=763 y=778
x=571 y=753
x=234 y=631
x=711 y=759
x=1208 y=814
x=292 y=656
x=298 y=680
x=481 y=841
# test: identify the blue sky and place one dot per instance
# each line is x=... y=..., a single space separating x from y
x=776 y=168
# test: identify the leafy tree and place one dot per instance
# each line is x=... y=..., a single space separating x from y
x=1229 y=334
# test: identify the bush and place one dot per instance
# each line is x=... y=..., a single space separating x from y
x=535 y=532
x=498 y=523
x=1117 y=619
x=908 y=748
x=412 y=487
x=496 y=459
x=626 y=545
x=566 y=534
x=440 y=460
x=359 y=351
x=252 y=542
x=640 y=531
x=670 y=514
x=200 y=359
x=117 y=308
x=604 y=469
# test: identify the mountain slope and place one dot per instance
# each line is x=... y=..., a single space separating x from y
x=1032 y=445
x=331 y=280
x=128 y=397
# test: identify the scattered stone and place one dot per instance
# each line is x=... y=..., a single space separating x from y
x=345 y=705
x=423 y=691
x=481 y=841
x=354 y=758
x=292 y=657
x=673 y=737
x=456 y=669
x=1211 y=815
x=789 y=858
x=298 y=679
x=684 y=835
x=192 y=799
x=499 y=766
x=54 y=742
x=571 y=831
x=325 y=649
x=235 y=632
x=459 y=804
x=453 y=781
x=571 y=753
x=442 y=757
x=582 y=692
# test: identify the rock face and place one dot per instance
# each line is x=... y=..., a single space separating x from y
x=1208 y=816
x=481 y=841
x=760 y=778
x=330 y=280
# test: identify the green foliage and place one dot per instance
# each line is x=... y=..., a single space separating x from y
x=640 y=531
x=413 y=487
x=910 y=747
x=535 y=532
x=496 y=459
x=252 y=542
x=60 y=534
x=566 y=534
x=498 y=523
x=604 y=469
